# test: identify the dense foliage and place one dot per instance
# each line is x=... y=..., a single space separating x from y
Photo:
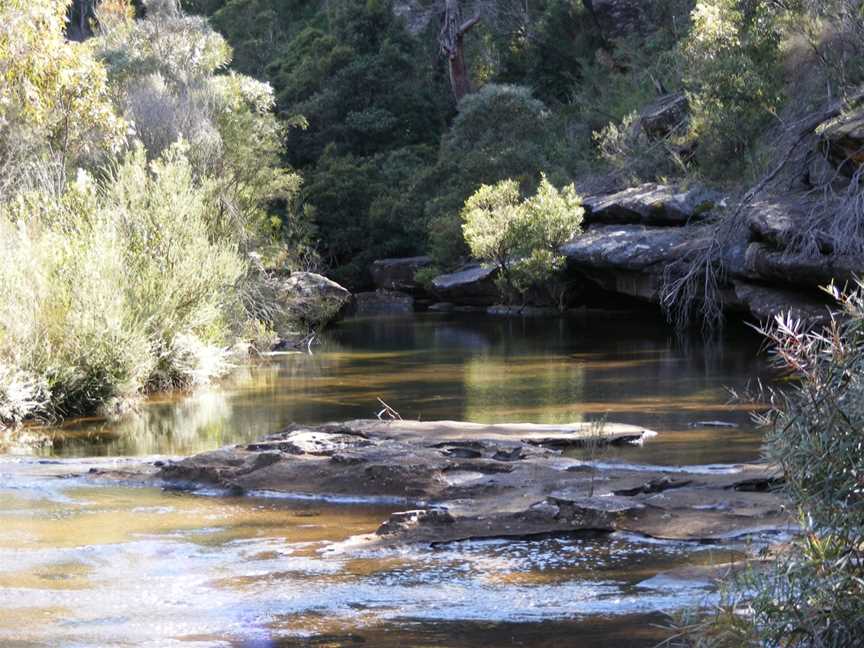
x=136 y=177
x=522 y=236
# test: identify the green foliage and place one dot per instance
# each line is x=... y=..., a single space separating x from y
x=102 y=292
x=500 y=132
x=814 y=594
x=165 y=73
x=549 y=54
x=54 y=98
x=521 y=237
x=733 y=76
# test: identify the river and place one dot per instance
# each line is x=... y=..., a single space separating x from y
x=88 y=565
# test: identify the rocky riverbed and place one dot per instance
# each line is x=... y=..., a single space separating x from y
x=461 y=481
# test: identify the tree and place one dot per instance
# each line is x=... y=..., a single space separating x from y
x=522 y=237
x=54 y=97
x=452 y=40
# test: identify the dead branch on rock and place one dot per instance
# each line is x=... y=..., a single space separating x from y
x=388 y=413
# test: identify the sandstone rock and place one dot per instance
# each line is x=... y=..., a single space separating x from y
x=800 y=271
x=631 y=259
x=663 y=116
x=383 y=302
x=501 y=310
x=765 y=302
x=843 y=143
x=650 y=204
x=472 y=285
x=398 y=274
x=466 y=480
x=313 y=298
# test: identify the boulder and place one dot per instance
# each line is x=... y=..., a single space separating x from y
x=383 y=302
x=471 y=285
x=766 y=302
x=312 y=298
x=798 y=270
x=843 y=143
x=650 y=204
x=398 y=274
x=633 y=247
x=663 y=116
x=631 y=259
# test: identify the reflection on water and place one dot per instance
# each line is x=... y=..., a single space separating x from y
x=93 y=566
x=478 y=369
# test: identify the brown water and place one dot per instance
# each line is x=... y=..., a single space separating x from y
x=82 y=565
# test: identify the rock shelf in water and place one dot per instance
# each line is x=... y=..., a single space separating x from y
x=468 y=480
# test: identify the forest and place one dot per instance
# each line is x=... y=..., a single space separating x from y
x=169 y=168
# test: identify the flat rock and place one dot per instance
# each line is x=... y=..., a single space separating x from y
x=651 y=204
x=633 y=247
x=461 y=480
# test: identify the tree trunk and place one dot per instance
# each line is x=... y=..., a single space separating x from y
x=452 y=39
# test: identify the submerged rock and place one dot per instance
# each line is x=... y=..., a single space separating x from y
x=383 y=302
x=467 y=480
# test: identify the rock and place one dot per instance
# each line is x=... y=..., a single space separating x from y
x=472 y=285
x=618 y=18
x=663 y=116
x=398 y=274
x=383 y=302
x=442 y=307
x=765 y=302
x=843 y=143
x=800 y=271
x=630 y=259
x=650 y=204
x=312 y=298
x=523 y=311
x=467 y=480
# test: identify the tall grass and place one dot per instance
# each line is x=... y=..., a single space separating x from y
x=116 y=289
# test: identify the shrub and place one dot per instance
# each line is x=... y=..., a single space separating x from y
x=102 y=295
x=814 y=594
x=733 y=77
x=521 y=237
x=501 y=132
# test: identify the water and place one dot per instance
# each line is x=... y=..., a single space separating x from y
x=92 y=565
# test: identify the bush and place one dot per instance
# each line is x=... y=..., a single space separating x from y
x=814 y=594
x=521 y=237
x=102 y=295
x=500 y=132
x=733 y=78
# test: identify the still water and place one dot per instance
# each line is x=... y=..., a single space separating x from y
x=85 y=565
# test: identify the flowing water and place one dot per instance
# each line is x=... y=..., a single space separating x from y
x=87 y=565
